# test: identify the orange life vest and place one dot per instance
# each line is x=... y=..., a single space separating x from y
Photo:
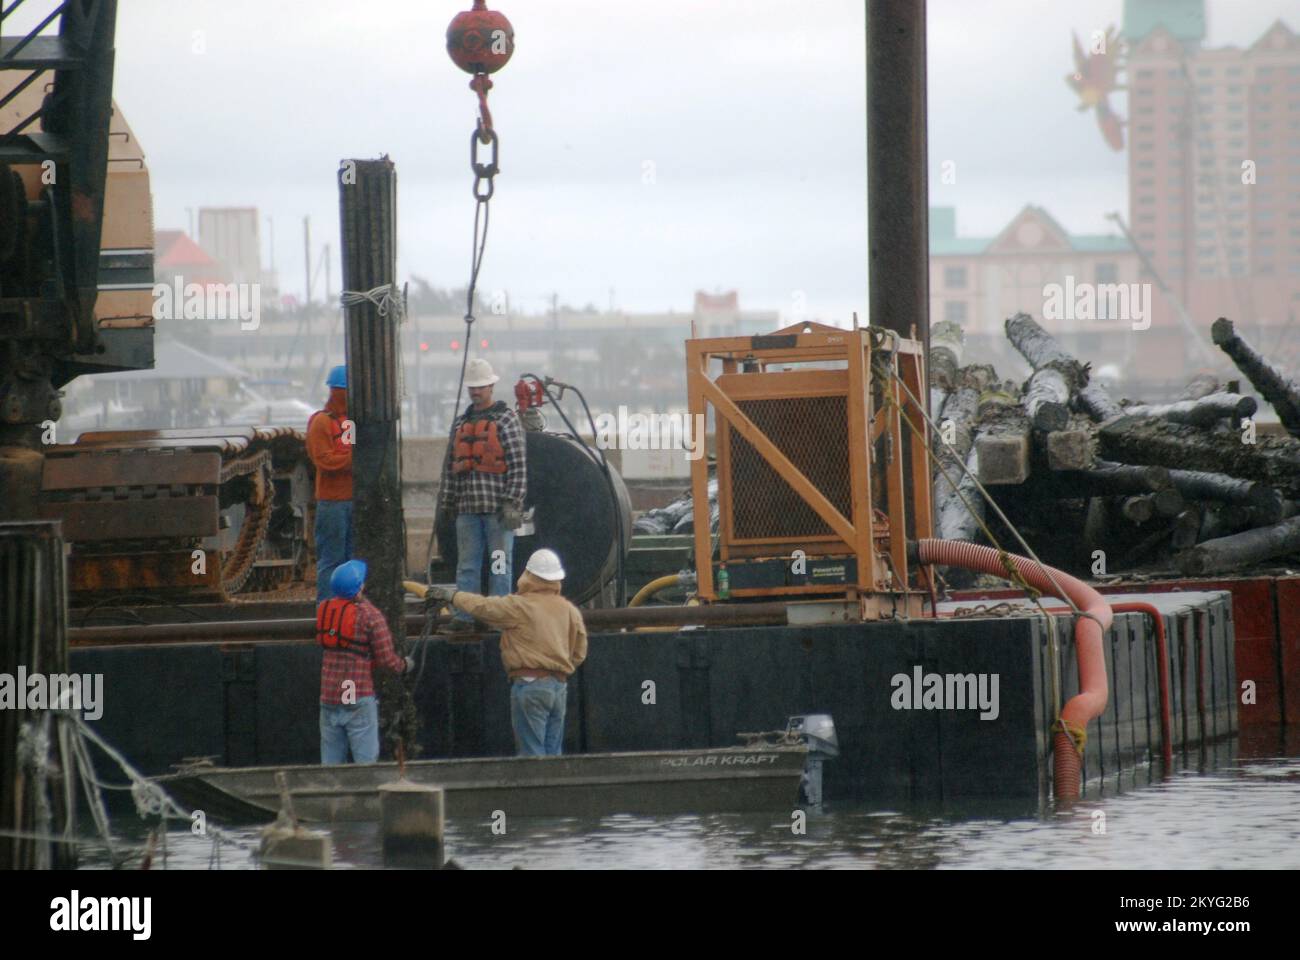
x=336 y=425
x=326 y=441
x=336 y=627
x=478 y=448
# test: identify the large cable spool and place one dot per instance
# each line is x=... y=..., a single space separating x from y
x=574 y=515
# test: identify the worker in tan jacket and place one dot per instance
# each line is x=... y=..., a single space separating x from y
x=543 y=640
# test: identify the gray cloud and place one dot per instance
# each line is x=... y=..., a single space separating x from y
x=751 y=112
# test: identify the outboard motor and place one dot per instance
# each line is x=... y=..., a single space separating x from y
x=817 y=730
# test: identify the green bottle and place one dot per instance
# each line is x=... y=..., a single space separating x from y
x=724 y=583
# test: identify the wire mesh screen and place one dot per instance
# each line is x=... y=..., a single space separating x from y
x=811 y=431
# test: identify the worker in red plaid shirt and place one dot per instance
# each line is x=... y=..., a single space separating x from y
x=356 y=640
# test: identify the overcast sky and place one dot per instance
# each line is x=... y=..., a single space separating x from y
x=750 y=111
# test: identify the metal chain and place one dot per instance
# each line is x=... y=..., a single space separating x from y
x=483 y=172
x=1003 y=609
x=257 y=518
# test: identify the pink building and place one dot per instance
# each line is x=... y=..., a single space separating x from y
x=1214 y=172
x=1035 y=265
x=1213 y=139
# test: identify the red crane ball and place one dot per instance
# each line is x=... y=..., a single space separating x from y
x=480 y=40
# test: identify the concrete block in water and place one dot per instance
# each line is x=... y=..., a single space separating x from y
x=412 y=823
x=295 y=848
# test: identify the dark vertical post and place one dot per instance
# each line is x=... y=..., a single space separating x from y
x=368 y=247
x=306 y=254
x=33 y=640
x=898 y=214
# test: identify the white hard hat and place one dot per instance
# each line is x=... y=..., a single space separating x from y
x=545 y=564
x=478 y=373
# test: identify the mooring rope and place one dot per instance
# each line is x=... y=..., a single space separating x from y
x=151 y=799
x=94 y=799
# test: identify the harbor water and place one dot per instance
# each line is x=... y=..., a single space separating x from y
x=1240 y=814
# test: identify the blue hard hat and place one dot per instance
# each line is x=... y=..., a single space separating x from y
x=338 y=377
x=348 y=578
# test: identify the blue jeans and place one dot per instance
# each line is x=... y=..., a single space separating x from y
x=355 y=725
x=476 y=532
x=537 y=714
x=333 y=541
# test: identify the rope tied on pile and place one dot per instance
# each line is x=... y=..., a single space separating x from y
x=74 y=737
x=386 y=298
x=150 y=798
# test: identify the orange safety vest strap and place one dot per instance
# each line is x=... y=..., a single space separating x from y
x=336 y=627
x=479 y=448
x=337 y=430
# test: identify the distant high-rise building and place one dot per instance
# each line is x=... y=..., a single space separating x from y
x=716 y=302
x=231 y=235
x=1214 y=173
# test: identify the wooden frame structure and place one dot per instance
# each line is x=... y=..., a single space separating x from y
x=860 y=502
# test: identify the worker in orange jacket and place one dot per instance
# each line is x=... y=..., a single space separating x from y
x=329 y=444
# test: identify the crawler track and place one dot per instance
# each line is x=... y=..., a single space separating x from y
x=197 y=514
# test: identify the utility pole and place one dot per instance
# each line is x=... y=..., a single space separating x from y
x=306 y=253
x=368 y=247
x=557 y=348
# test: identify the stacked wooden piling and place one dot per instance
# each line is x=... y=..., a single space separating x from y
x=1105 y=485
x=37 y=784
x=368 y=248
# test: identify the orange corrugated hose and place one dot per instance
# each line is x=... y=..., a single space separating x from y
x=1089 y=703
x=1162 y=655
x=1162 y=660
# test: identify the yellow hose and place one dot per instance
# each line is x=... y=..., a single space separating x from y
x=693 y=602
x=653 y=587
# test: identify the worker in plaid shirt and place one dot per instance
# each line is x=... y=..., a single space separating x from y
x=349 y=709
x=483 y=486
